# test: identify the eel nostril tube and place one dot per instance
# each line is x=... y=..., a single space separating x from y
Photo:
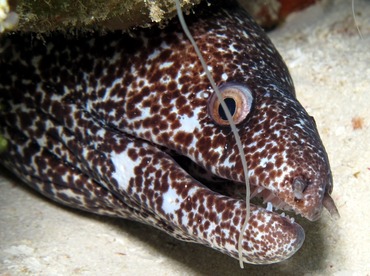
x=329 y=204
x=299 y=185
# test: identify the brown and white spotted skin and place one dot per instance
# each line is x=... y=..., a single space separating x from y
x=97 y=122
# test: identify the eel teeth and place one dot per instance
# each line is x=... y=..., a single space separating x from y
x=269 y=198
x=269 y=207
x=256 y=191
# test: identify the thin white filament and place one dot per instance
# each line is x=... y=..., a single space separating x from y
x=355 y=20
x=232 y=125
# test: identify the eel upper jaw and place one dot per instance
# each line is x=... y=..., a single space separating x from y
x=312 y=213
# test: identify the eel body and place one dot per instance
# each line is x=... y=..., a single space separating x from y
x=124 y=125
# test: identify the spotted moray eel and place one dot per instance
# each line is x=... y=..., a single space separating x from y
x=128 y=126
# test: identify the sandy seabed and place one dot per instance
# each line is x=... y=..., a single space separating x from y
x=330 y=66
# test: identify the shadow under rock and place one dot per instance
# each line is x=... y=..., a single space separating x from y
x=201 y=260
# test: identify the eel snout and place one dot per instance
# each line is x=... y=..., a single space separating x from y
x=310 y=197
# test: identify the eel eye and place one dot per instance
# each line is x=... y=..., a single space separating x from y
x=238 y=99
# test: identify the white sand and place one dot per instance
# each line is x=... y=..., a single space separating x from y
x=331 y=69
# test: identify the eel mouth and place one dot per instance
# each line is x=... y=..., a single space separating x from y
x=260 y=196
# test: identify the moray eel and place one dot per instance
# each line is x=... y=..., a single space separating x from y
x=128 y=126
